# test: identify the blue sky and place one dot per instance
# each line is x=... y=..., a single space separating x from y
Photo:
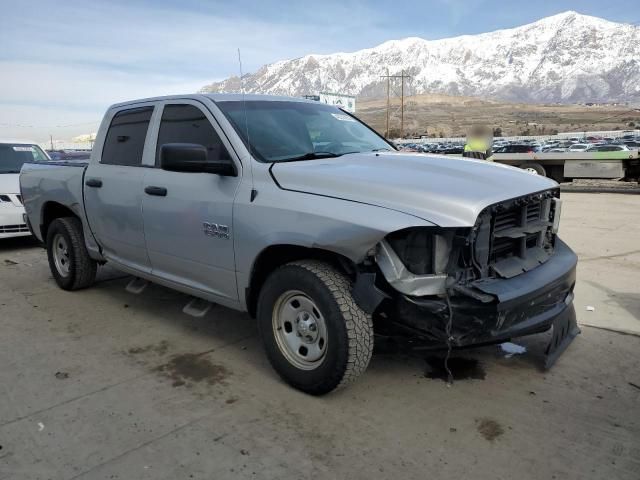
x=63 y=62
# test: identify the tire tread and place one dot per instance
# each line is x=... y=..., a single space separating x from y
x=358 y=323
x=84 y=267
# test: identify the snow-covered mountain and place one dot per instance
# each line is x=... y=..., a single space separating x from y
x=568 y=57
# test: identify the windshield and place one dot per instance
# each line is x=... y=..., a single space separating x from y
x=282 y=131
x=13 y=155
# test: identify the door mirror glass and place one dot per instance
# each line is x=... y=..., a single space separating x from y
x=193 y=158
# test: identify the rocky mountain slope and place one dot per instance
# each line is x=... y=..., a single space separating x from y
x=567 y=58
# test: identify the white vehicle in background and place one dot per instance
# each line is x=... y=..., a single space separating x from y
x=13 y=154
x=579 y=147
x=607 y=148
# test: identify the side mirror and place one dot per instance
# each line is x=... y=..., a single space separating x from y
x=193 y=158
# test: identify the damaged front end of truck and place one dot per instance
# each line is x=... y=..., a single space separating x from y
x=507 y=276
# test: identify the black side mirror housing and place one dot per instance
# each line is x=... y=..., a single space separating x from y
x=193 y=158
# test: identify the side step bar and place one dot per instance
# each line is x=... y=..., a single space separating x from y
x=197 y=307
x=136 y=285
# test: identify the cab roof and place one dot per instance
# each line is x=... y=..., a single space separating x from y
x=217 y=97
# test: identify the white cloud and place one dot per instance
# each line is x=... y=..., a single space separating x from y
x=65 y=65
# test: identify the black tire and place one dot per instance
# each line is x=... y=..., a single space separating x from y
x=348 y=328
x=81 y=267
x=539 y=169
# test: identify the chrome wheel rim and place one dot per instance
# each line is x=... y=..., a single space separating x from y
x=533 y=171
x=300 y=330
x=61 y=257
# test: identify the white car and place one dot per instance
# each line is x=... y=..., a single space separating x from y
x=12 y=155
x=607 y=148
x=579 y=147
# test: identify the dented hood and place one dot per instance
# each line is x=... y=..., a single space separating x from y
x=447 y=191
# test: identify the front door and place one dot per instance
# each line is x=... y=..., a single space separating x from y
x=113 y=189
x=188 y=217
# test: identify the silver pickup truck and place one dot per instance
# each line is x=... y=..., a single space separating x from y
x=303 y=216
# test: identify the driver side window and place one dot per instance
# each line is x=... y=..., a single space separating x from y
x=188 y=124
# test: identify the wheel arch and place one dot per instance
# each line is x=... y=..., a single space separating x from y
x=50 y=211
x=275 y=256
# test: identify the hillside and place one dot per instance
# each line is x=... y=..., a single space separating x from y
x=565 y=58
x=444 y=115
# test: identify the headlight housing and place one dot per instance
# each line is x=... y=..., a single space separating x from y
x=414 y=261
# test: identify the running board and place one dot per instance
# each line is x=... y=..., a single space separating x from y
x=197 y=307
x=137 y=285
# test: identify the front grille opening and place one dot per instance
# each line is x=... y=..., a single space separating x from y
x=503 y=248
x=506 y=220
x=519 y=235
x=532 y=240
x=533 y=212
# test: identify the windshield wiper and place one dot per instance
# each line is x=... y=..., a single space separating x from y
x=310 y=156
x=384 y=149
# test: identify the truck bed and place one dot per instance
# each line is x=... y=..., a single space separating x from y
x=55 y=182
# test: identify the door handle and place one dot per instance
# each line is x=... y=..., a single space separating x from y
x=157 y=191
x=93 y=182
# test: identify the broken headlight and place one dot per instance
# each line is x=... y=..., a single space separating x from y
x=414 y=261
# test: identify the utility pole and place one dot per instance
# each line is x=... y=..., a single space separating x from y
x=402 y=104
x=388 y=101
x=388 y=77
x=51 y=138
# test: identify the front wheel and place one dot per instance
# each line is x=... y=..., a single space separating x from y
x=70 y=263
x=316 y=337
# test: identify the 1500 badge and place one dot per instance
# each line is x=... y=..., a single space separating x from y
x=216 y=230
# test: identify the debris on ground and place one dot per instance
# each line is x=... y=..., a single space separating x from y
x=511 y=349
x=590 y=308
x=62 y=375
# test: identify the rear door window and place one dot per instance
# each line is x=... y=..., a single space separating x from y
x=188 y=124
x=125 y=139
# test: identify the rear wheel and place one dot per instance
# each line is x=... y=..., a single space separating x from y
x=70 y=263
x=534 y=168
x=316 y=337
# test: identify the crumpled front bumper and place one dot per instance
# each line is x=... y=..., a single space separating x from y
x=496 y=310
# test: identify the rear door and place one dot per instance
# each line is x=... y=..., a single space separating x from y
x=113 y=187
x=188 y=217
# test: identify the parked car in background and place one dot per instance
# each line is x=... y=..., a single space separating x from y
x=607 y=148
x=69 y=154
x=516 y=148
x=13 y=154
x=579 y=147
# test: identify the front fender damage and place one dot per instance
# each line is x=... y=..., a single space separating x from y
x=450 y=308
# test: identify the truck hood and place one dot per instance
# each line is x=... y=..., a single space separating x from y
x=447 y=191
x=9 y=183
